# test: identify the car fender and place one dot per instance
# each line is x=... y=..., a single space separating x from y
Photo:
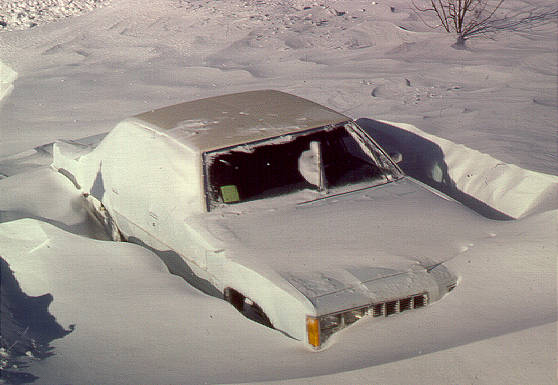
x=286 y=308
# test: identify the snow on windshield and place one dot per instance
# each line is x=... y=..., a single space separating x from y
x=330 y=159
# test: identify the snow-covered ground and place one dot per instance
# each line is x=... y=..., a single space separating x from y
x=127 y=320
x=25 y=14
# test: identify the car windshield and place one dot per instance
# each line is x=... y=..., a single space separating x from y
x=329 y=160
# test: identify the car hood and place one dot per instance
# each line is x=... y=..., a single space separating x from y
x=349 y=240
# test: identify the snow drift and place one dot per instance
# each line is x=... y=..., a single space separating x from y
x=476 y=179
x=128 y=313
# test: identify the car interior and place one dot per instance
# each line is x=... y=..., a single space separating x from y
x=318 y=160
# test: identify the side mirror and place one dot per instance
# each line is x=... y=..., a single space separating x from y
x=397 y=157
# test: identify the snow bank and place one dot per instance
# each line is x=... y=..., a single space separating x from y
x=136 y=323
x=125 y=311
x=503 y=352
x=472 y=177
x=7 y=78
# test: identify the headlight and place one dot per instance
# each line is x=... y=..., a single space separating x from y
x=319 y=329
x=354 y=315
x=330 y=321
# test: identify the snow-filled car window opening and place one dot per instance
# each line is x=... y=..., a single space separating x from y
x=329 y=160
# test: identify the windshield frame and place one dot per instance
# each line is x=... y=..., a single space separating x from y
x=391 y=172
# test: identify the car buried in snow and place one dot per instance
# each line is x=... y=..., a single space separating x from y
x=283 y=207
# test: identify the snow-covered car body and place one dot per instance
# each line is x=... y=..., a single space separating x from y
x=276 y=202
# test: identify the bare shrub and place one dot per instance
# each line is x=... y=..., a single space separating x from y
x=472 y=18
x=466 y=18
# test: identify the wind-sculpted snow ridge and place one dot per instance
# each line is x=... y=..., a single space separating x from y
x=23 y=14
x=7 y=78
x=468 y=175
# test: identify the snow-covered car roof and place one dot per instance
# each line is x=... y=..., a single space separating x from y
x=229 y=120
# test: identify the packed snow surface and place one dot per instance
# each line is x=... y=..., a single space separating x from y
x=23 y=14
x=129 y=321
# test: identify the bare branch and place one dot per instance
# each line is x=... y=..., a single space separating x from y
x=471 y=18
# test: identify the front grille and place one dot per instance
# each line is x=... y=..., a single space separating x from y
x=391 y=307
x=405 y=304
x=399 y=305
x=378 y=309
x=331 y=323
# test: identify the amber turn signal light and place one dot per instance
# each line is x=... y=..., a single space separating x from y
x=313 y=331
